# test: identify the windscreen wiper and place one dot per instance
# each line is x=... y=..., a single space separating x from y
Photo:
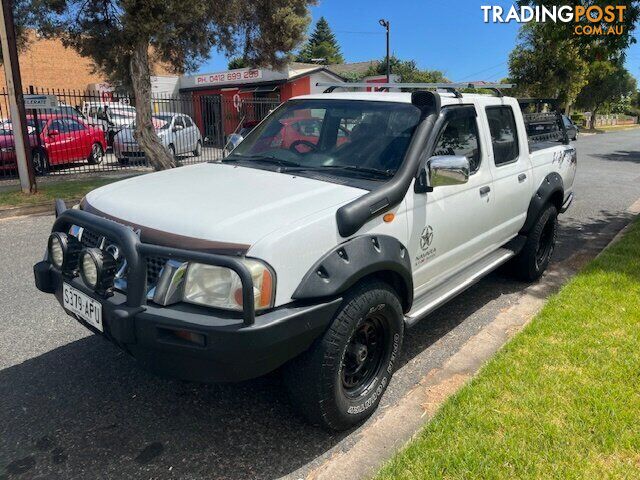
x=345 y=168
x=262 y=159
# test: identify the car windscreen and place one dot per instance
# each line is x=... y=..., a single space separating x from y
x=160 y=122
x=337 y=136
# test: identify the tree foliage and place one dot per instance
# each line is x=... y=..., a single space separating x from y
x=551 y=60
x=124 y=37
x=321 y=45
x=598 y=47
x=607 y=82
x=407 y=70
x=237 y=62
x=545 y=67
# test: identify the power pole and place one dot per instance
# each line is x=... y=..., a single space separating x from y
x=387 y=25
x=16 y=99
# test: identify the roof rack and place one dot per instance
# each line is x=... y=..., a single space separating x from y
x=449 y=87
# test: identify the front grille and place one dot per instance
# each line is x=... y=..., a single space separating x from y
x=90 y=239
x=154 y=267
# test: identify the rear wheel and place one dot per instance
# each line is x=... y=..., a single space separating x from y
x=40 y=162
x=534 y=258
x=339 y=381
x=97 y=154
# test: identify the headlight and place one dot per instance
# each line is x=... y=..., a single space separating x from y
x=63 y=251
x=97 y=269
x=221 y=287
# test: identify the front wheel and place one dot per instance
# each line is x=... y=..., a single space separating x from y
x=339 y=381
x=97 y=154
x=40 y=162
x=534 y=258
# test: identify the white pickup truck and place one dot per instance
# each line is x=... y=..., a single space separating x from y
x=313 y=247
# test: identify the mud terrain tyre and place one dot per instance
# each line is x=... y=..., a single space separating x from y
x=534 y=258
x=339 y=381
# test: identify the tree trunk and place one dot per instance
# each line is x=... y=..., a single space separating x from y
x=156 y=154
x=593 y=118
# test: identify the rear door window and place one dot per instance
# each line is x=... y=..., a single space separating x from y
x=504 y=135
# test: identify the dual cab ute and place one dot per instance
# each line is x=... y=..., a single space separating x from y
x=315 y=255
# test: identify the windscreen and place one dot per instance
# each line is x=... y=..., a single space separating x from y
x=334 y=135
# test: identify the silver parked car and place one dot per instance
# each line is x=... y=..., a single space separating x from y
x=177 y=131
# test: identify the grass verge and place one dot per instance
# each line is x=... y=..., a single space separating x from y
x=561 y=400
x=48 y=192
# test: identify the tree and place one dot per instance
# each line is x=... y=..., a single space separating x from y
x=237 y=62
x=407 y=70
x=598 y=47
x=551 y=60
x=123 y=37
x=607 y=82
x=321 y=45
x=544 y=67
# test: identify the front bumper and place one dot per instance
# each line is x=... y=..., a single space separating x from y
x=235 y=347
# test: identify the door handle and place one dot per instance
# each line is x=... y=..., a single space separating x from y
x=522 y=177
x=485 y=190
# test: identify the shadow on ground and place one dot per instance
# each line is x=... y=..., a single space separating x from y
x=86 y=410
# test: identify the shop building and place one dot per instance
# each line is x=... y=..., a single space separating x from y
x=242 y=97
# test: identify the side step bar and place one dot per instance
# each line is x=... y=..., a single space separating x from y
x=458 y=283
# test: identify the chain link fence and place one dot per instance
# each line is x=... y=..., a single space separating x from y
x=93 y=131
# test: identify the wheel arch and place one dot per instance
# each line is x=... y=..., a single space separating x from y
x=358 y=259
x=550 y=191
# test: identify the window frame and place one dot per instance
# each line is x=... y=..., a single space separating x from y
x=478 y=141
x=516 y=134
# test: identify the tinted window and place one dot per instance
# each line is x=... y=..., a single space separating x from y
x=59 y=125
x=178 y=122
x=74 y=126
x=504 y=136
x=187 y=122
x=460 y=137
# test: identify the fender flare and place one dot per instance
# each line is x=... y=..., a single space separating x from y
x=351 y=261
x=550 y=190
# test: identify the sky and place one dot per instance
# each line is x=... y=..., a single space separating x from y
x=446 y=35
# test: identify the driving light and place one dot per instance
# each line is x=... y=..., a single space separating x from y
x=221 y=287
x=63 y=251
x=97 y=269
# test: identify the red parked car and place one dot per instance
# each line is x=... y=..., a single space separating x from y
x=300 y=134
x=62 y=139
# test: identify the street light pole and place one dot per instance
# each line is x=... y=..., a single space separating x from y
x=387 y=25
x=16 y=99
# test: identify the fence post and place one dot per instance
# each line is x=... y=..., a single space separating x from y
x=16 y=98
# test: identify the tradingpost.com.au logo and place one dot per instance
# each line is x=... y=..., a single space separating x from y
x=591 y=20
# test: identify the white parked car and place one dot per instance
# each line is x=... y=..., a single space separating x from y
x=111 y=116
x=314 y=249
x=177 y=132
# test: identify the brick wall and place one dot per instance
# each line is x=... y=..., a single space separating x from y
x=48 y=64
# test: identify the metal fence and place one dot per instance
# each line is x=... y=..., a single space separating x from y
x=93 y=132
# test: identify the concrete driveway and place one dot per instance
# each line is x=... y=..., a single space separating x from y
x=73 y=406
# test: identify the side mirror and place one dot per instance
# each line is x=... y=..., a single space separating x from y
x=53 y=132
x=442 y=171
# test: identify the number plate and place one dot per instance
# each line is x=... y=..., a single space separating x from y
x=85 y=307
